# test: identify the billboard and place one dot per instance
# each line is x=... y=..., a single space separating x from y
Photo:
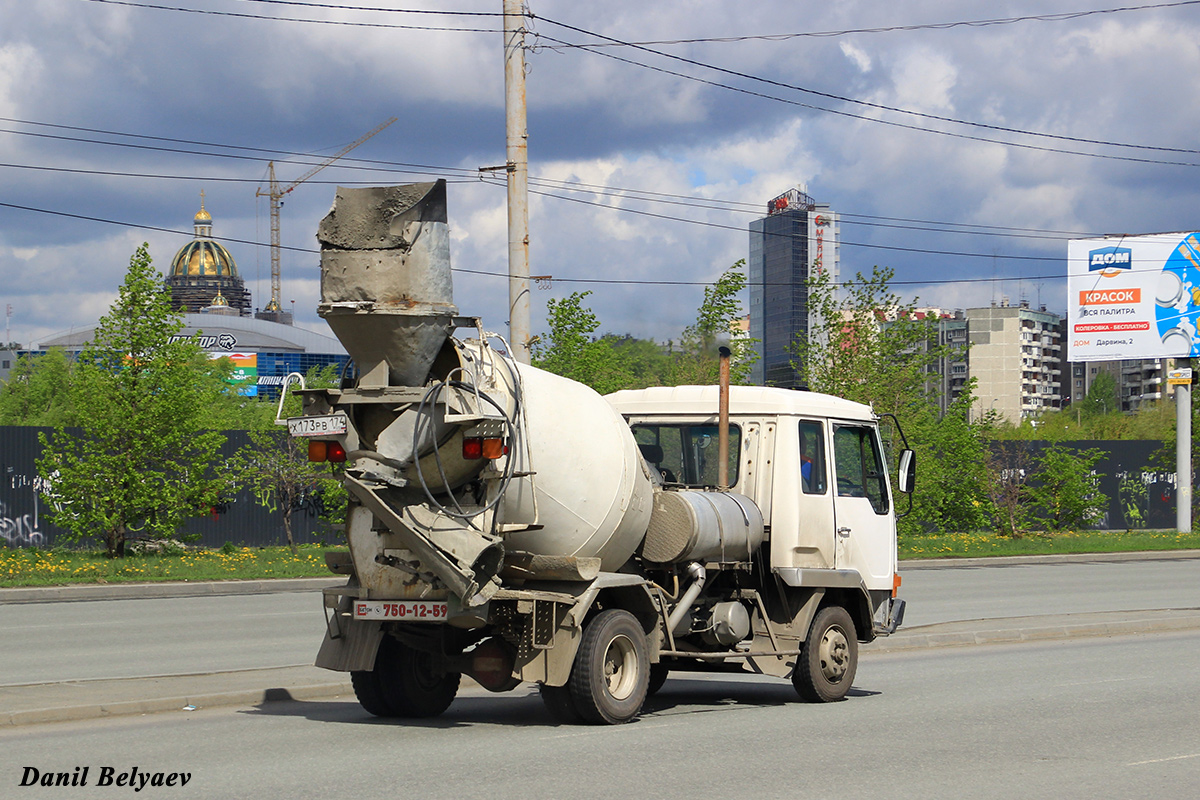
x=1133 y=297
x=245 y=371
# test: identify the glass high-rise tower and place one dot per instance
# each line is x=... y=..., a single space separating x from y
x=795 y=240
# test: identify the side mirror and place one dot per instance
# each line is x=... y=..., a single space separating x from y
x=907 y=472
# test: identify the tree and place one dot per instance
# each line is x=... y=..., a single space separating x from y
x=1065 y=489
x=570 y=349
x=698 y=362
x=37 y=391
x=952 y=455
x=1101 y=397
x=140 y=460
x=276 y=469
x=1009 y=465
x=871 y=347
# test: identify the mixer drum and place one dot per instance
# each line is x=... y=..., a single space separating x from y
x=593 y=494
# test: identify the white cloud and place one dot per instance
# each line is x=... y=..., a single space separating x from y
x=857 y=55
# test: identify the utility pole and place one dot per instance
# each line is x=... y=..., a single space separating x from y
x=1183 y=449
x=517 y=168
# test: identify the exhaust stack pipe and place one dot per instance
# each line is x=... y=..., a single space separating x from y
x=385 y=280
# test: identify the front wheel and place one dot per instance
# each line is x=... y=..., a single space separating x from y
x=829 y=658
x=404 y=683
x=612 y=669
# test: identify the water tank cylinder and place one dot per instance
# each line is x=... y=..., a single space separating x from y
x=702 y=526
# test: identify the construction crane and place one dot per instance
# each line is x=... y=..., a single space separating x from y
x=276 y=192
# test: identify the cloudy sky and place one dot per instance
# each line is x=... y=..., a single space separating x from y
x=963 y=156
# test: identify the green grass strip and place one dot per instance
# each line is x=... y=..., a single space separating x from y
x=34 y=567
x=978 y=545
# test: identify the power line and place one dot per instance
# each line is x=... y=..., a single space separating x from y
x=840 y=98
x=706 y=224
x=428 y=169
x=243 y=15
x=868 y=221
x=978 y=23
x=343 y=7
x=357 y=163
x=618 y=281
x=927 y=226
x=916 y=225
x=876 y=106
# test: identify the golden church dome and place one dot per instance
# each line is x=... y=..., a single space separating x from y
x=204 y=275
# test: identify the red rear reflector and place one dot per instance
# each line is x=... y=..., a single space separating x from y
x=317 y=450
x=472 y=448
x=895 y=583
x=493 y=448
x=336 y=452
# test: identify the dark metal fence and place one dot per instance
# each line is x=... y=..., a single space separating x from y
x=243 y=520
x=1140 y=496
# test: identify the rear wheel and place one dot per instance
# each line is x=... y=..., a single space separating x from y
x=560 y=704
x=612 y=670
x=658 y=676
x=404 y=683
x=829 y=659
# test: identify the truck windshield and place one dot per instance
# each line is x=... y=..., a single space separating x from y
x=687 y=454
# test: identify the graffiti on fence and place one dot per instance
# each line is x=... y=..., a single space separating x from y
x=20 y=530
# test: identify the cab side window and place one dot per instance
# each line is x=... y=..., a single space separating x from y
x=812 y=458
x=859 y=465
x=687 y=454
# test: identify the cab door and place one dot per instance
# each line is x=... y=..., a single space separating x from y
x=862 y=505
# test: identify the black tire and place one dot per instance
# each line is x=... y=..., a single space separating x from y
x=404 y=683
x=559 y=703
x=369 y=691
x=829 y=659
x=658 y=676
x=612 y=670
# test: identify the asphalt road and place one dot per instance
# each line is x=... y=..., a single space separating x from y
x=986 y=590
x=101 y=639
x=1096 y=718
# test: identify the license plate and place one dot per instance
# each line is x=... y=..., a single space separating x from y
x=317 y=426
x=406 y=610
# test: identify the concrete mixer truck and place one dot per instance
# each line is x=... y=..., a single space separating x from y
x=514 y=526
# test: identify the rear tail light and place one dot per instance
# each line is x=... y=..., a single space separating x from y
x=472 y=448
x=320 y=450
x=477 y=447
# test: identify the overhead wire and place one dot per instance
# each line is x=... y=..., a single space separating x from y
x=746 y=76
x=393 y=167
x=618 y=281
x=781 y=37
x=241 y=15
x=905 y=126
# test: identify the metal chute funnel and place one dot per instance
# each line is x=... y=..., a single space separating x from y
x=385 y=279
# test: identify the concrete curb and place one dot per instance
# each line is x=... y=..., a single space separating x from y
x=246 y=697
x=147 y=591
x=1033 y=629
x=1064 y=558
